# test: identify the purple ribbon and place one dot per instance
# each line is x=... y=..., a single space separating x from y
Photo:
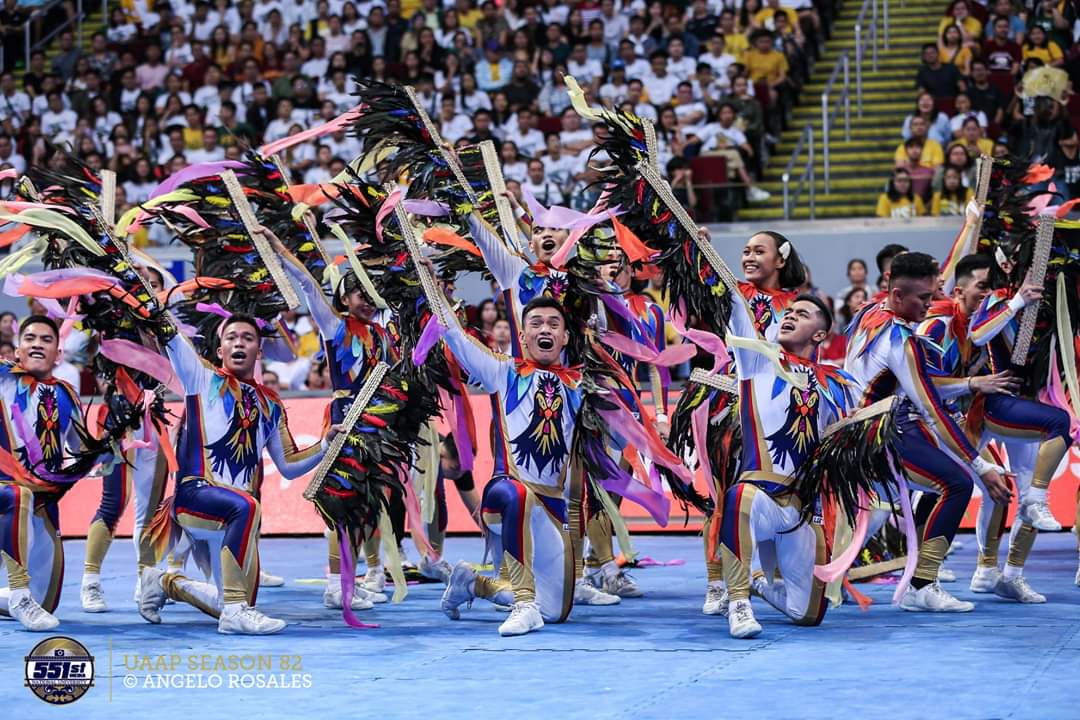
x=33 y=449
x=348 y=580
x=427 y=208
x=194 y=172
x=432 y=333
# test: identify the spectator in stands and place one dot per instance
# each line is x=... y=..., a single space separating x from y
x=921 y=175
x=985 y=97
x=953 y=197
x=1000 y=51
x=956 y=156
x=971 y=136
x=1037 y=135
x=857 y=278
x=1055 y=18
x=939 y=79
x=1065 y=159
x=898 y=201
x=12 y=37
x=729 y=142
x=765 y=64
x=660 y=83
x=932 y=154
x=495 y=71
x=512 y=166
x=959 y=16
x=926 y=108
x=1039 y=45
x=952 y=50
x=543 y=189
x=964 y=110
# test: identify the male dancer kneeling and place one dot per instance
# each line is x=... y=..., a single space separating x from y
x=781 y=423
x=229 y=420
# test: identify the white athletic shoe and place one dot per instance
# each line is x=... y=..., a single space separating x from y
x=458 y=590
x=932 y=598
x=151 y=595
x=332 y=597
x=715 y=600
x=944 y=574
x=524 y=618
x=93 y=598
x=984 y=579
x=1017 y=589
x=1039 y=516
x=375 y=579
x=774 y=593
x=756 y=194
x=621 y=584
x=268 y=580
x=376 y=597
x=242 y=619
x=26 y=610
x=741 y=621
x=586 y=594
x=438 y=570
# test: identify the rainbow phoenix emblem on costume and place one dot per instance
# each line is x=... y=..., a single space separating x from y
x=237 y=448
x=542 y=441
x=798 y=435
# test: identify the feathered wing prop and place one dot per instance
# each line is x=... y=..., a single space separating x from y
x=698 y=281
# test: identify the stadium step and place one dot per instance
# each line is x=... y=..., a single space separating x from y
x=859 y=167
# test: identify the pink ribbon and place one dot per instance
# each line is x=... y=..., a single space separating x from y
x=316 y=132
x=417 y=528
x=669 y=357
x=840 y=564
x=70 y=318
x=1053 y=393
x=699 y=426
x=148 y=435
x=912 y=537
x=707 y=341
x=348 y=581
x=137 y=357
x=387 y=207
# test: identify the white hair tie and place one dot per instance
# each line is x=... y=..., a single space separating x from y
x=1000 y=257
x=784 y=249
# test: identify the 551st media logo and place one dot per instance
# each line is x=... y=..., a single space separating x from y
x=59 y=670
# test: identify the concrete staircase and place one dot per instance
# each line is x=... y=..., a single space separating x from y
x=92 y=23
x=859 y=168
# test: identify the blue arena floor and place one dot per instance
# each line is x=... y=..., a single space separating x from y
x=656 y=657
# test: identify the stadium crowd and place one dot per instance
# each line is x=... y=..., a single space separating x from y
x=970 y=101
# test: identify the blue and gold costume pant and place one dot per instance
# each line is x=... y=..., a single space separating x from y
x=30 y=545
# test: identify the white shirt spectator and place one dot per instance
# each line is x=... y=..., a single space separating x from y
x=684 y=111
x=316 y=67
x=646 y=110
x=529 y=144
x=638 y=70
x=613 y=93
x=469 y=104
x=15 y=105
x=16 y=161
x=179 y=56
x=556 y=15
x=203 y=31
x=347 y=148
x=957 y=122
x=661 y=89
x=262 y=10
x=207 y=96
x=715 y=135
x=615 y=28
x=128 y=99
x=277 y=128
x=682 y=69
x=54 y=123
x=516 y=171
x=547 y=192
x=585 y=72
x=574 y=136
x=243 y=94
x=317 y=174
x=138 y=192
x=121 y=34
x=458 y=127
x=203 y=155
x=719 y=63
x=159 y=104
x=560 y=171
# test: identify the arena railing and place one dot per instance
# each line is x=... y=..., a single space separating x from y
x=829 y=110
x=807 y=176
x=32 y=44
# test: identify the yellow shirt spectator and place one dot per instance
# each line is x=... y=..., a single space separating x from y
x=932 y=154
x=941 y=205
x=764 y=17
x=768 y=66
x=737 y=45
x=971 y=25
x=961 y=57
x=900 y=209
x=1049 y=54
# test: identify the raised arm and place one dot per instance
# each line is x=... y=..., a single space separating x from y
x=322 y=313
x=966 y=242
x=993 y=316
x=747 y=361
x=290 y=461
x=484 y=367
x=505 y=266
x=194 y=373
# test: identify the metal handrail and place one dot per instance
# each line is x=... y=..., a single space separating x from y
x=829 y=111
x=30 y=45
x=861 y=40
x=806 y=138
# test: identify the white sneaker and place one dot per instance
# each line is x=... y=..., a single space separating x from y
x=151 y=595
x=93 y=598
x=242 y=619
x=715 y=600
x=984 y=579
x=438 y=570
x=932 y=598
x=268 y=580
x=774 y=593
x=458 y=590
x=586 y=594
x=26 y=610
x=1039 y=516
x=741 y=621
x=621 y=585
x=756 y=194
x=375 y=579
x=375 y=597
x=1017 y=589
x=524 y=618
x=944 y=574
x=332 y=597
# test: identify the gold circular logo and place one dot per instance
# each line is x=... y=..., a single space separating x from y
x=59 y=670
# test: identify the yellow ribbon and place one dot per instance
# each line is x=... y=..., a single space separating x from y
x=52 y=220
x=1068 y=350
x=357 y=268
x=772 y=354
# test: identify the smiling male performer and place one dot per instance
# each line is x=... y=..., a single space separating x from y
x=40 y=410
x=781 y=425
x=886 y=357
x=354 y=344
x=524 y=508
x=230 y=419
